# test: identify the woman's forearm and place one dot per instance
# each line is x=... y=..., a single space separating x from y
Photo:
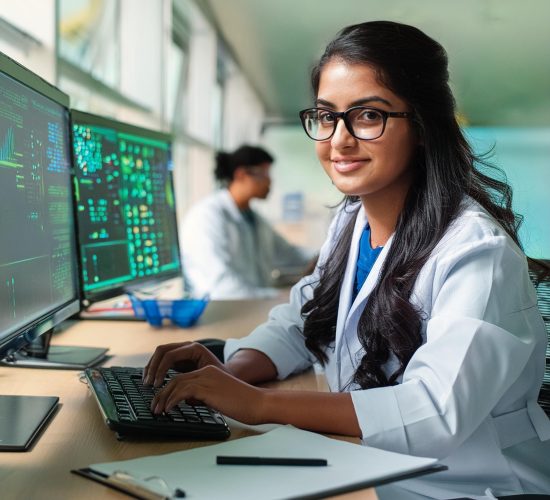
x=252 y=366
x=329 y=412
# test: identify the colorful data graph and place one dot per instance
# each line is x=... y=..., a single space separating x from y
x=7 y=149
x=9 y=157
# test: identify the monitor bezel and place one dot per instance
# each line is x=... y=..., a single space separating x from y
x=86 y=118
x=26 y=334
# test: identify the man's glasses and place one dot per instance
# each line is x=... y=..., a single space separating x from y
x=258 y=172
x=362 y=122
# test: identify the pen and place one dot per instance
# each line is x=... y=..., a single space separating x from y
x=226 y=460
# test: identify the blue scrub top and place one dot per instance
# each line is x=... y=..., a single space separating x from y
x=365 y=261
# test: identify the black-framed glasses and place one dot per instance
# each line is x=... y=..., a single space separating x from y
x=362 y=122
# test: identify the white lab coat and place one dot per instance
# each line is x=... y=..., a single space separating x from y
x=468 y=396
x=223 y=256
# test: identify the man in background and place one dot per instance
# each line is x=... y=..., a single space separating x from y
x=229 y=251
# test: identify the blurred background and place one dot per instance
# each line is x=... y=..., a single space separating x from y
x=218 y=73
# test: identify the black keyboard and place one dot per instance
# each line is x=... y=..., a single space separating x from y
x=125 y=404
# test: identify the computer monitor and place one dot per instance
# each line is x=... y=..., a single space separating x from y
x=126 y=216
x=38 y=268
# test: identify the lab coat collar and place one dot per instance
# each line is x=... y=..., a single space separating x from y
x=347 y=342
x=230 y=205
x=349 y=276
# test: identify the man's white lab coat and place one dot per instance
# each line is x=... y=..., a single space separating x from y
x=469 y=394
x=224 y=256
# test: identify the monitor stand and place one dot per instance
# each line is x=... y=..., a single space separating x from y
x=22 y=418
x=40 y=354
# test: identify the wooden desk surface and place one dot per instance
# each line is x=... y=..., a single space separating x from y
x=77 y=435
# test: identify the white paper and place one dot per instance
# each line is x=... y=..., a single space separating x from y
x=195 y=471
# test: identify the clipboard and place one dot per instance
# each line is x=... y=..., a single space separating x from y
x=350 y=467
x=140 y=492
x=125 y=483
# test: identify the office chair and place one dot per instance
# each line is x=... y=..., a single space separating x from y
x=526 y=496
x=215 y=346
x=521 y=496
x=539 y=270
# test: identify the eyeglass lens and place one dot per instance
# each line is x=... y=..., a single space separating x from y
x=366 y=123
x=259 y=172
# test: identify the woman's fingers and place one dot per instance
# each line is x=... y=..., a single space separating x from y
x=179 y=355
x=178 y=389
x=215 y=388
x=153 y=367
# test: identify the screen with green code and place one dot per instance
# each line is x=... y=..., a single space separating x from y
x=38 y=272
x=124 y=203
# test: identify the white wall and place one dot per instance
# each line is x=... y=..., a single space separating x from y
x=141 y=48
x=296 y=169
x=201 y=84
x=35 y=18
x=243 y=111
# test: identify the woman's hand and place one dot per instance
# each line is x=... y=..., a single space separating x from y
x=181 y=356
x=210 y=381
x=215 y=387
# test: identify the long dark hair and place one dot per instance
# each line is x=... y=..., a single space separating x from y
x=445 y=169
x=244 y=156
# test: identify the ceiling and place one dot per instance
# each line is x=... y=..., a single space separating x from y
x=499 y=50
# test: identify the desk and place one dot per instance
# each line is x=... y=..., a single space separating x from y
x=77 y=435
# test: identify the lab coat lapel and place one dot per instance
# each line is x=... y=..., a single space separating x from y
x=230 y=206
x=346 y=292
x=371 y=281
x=347 y=341
x=333 y=367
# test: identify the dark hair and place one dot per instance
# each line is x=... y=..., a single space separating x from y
x=445 y=169
x=245 y=156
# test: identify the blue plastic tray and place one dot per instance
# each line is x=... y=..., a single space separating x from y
x=182 y=312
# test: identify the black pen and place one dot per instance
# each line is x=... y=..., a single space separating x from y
x=225 y=460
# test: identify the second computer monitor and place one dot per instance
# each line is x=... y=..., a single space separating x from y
x=125 y=205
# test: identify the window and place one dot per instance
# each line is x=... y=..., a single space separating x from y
x=89 y=37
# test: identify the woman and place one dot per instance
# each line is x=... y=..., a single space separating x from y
x=420 y=309
x=229 y=251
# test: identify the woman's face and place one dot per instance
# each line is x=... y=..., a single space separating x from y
x=376 y=168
